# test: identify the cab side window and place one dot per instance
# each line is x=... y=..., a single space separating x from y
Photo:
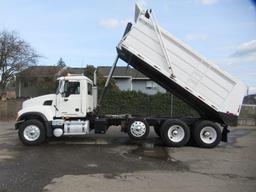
x=71 y=88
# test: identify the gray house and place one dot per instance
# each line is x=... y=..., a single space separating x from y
x=39 y=80
x=28 y=80
x=128 y=78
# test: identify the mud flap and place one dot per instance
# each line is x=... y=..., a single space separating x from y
x=225 y=132
x=17 y=124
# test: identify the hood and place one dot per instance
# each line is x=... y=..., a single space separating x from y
x=41 y=100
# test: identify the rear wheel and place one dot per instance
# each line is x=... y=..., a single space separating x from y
x=32 y=132
x=138 y=129
x=206 y=134
x=175 y=133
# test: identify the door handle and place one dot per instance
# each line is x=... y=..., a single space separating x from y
x=66 y=99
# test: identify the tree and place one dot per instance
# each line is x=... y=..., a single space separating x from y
x=61 y=63
x=15 y=55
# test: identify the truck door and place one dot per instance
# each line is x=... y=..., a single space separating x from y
x=69 y=101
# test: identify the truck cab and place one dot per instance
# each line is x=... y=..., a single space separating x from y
x=64 y=113
x=73 y=97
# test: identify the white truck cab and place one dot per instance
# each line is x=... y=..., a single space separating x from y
x=69 y=107
x=73 y=96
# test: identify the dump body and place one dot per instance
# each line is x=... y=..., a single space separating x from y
x=215 y=94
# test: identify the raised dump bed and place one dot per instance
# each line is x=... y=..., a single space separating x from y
x=153 y=51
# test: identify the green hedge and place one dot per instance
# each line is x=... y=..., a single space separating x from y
x=137 y=103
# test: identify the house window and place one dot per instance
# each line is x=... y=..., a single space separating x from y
x=89 y=88
x=25 y=84
x=31 y=83
x=151 y=85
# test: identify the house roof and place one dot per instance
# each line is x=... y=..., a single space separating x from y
x=48 y=71
x=39 y=71
x=121 y=72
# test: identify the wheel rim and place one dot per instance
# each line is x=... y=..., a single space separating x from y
x=31 y=133
x=138 y=128
x=176 y=133
x=208 y=135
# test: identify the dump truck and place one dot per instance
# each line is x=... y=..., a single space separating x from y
x=74 y=109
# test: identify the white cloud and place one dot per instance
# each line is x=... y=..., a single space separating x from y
x=246 y=48
x=241 y=62
x=112 y=23
x=246 y=52
x=208 y=2
x=196 y=37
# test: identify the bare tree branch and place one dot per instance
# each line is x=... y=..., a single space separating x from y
x=15 y=55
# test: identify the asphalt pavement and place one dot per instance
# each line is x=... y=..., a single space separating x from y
x=113 y=162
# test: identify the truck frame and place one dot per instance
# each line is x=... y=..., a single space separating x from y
x=73 y=110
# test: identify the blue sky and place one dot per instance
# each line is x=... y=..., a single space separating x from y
x=86 y=32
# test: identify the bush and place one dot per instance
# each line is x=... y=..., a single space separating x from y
x=137 y=103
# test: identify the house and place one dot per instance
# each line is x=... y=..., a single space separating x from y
x=128 y=78
x=29 y=81
x=39 y=80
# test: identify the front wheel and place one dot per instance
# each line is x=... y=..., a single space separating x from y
x=32 y=132
x=206 y=134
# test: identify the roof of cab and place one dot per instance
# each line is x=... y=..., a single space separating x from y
x=75 y=77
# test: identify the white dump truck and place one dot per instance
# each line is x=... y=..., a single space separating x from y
x=73 y=110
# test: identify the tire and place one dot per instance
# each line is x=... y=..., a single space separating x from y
x=175 y=133
x=157 y=131
x=138 y=129
x=206 y=134
x=32 y=132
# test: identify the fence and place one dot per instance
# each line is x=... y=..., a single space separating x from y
x=247 y=115
x=9 y=108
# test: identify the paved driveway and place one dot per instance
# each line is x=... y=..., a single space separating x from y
x=114 y=163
